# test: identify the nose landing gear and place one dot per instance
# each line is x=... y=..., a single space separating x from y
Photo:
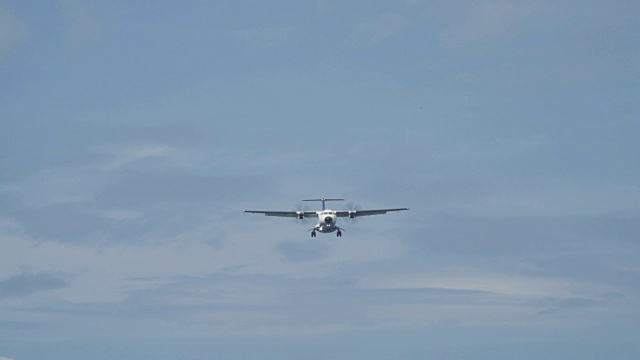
x=313 y=234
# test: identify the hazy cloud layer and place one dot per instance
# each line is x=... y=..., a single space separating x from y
x=134 y=137
x=26 y=284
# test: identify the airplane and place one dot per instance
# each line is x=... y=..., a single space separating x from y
x=326 y=218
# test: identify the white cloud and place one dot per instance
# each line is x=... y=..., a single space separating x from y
x=5 y=358
x=496 y=283
x=210 y=247
x=130 y=154
x=490 y=299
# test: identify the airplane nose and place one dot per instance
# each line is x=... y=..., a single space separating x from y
x=328 y=219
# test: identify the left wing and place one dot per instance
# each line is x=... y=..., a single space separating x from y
x=283 y=213
x=354 y=213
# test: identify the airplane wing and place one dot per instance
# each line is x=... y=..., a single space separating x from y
x=354 y=213
x=282 y=213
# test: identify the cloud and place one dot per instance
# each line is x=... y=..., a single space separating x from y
x=500 y=284
x=225 y=304
x=134 y=190
x=5 y=358
x=13 y=32
x=524 y=235
x=294 y=251
x=145 y=189
x=138 y=206
x=127 y=155
x=54 y=186
x=26 y=284
x=70 y=223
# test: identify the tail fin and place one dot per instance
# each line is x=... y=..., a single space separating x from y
x=323 y=201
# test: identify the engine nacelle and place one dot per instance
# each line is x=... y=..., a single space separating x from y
x=300 y=215
x=352 y=214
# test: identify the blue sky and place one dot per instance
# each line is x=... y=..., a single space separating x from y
x=134 y=134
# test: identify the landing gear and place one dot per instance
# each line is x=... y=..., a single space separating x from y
x=339 y=233
x=313 y=233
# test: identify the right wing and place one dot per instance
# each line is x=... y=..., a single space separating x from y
x=347 y=213
x=283 y=213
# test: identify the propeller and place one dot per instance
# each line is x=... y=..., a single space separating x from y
x=300 y=208
x=351 y=206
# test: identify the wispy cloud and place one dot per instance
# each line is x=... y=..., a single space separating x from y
x=520 y=287
x=26 y=284
x=59 y=186
x=121 y=206
x=294 y=251
x=126 y=155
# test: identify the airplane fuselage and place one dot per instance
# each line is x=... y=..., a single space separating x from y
x=326 y=221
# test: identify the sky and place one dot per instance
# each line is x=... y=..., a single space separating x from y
x=134 y=134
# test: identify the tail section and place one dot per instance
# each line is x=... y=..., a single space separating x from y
x=323 y=201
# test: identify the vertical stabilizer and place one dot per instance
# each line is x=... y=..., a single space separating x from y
x=323 y=201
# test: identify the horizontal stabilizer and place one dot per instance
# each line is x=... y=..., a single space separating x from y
x=323 y=200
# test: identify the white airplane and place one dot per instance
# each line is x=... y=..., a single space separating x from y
x=326 y=218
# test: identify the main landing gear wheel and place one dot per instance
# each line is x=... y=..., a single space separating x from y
x=313 y=234
x=339 y=233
